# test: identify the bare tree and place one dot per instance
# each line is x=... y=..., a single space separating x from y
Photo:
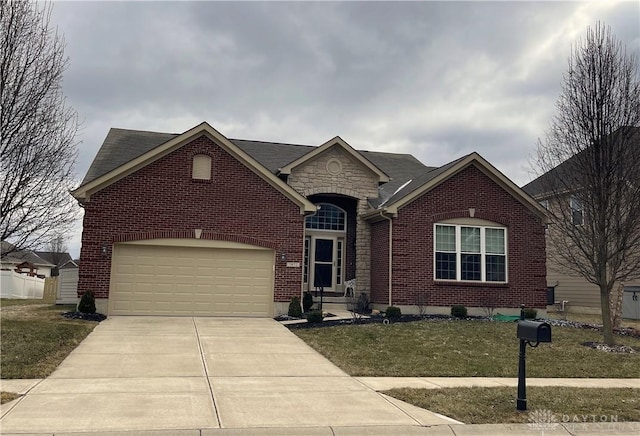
x=37 y=128
x=57 y=247
x=589 y=167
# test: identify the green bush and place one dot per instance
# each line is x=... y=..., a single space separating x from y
x=295 y=310
x=87 y=303
x=307 y=301
x=458 y=311
x=314 y=316
x=393 y=312
x=530 y=313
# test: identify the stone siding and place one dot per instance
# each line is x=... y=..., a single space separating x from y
x=322 y=175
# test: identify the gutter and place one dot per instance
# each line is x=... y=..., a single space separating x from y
x=383 y=215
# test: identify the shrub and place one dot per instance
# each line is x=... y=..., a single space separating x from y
x=458 y=311
x=530 y=313
x=314 y=316
x=87 y=303
x=422 y=301
x=393 y=312
x=307 y=301
x=362 y=306
x=295 y=310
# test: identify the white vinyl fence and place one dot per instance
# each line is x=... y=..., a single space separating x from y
x=14 y=285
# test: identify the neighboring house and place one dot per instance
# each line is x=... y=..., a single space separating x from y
x=199 y=224
x=568 y=290
x=12 y=258
x=59 y=260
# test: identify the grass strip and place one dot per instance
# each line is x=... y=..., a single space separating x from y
x=481 y=405
x=465 y=349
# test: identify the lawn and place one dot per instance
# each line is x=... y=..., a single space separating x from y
x=498 y=405
x=468 y=348
x=35 y=338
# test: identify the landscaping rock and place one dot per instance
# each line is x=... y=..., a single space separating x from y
x=610 y=349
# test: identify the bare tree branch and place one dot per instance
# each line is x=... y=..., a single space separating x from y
x=37 y=128
x=590 y=158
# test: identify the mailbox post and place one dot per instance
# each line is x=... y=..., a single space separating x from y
x=531 y=333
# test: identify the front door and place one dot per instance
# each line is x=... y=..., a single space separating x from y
x=323 y=262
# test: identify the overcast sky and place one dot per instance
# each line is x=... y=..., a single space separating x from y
x=434 y=79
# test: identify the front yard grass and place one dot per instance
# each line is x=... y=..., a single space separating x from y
x=36 y=339
x=5 y=397
x=468 y=348
x=477 y=405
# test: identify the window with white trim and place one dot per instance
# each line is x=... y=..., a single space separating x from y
x=470 y=253
x=577 y=214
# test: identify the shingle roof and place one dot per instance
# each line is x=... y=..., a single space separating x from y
x=406 y=172
x=122 y=145
x=52 y=257
x=414 y=183
x=11 y=255
x=272 y=155
x=537 y=188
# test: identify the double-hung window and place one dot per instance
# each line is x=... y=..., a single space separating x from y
x=470 y=253
x=577 y=215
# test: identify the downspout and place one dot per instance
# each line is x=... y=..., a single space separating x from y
x=382 y=214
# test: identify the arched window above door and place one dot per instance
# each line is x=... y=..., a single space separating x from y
x=328 y=217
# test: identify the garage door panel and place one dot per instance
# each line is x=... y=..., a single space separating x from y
x=170 y=280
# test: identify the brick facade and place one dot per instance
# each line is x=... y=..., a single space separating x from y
x=413 y=244
x=380 y=262
x=162 y=200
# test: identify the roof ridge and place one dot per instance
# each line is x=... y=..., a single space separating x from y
x=142 y=131
x=272 y=142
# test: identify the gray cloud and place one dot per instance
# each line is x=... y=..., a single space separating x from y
x=435 y=79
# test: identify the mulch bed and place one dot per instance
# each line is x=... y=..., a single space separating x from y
x=85 y=316
x=378 y=319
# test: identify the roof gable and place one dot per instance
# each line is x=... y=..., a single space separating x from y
x=12 y=255
x=542 y=187
x=162 y=149
x=429 y=180
x=336 y=142
x=54 y=258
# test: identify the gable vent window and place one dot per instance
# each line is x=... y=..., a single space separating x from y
x=201 y=167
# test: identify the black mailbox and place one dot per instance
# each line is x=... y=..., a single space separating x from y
x=534 y=331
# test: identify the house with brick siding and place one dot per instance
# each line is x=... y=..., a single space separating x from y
x=200 y=224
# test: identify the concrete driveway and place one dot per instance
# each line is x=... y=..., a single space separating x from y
x=161 y=373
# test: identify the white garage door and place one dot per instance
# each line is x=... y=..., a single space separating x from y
x=153 y=279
